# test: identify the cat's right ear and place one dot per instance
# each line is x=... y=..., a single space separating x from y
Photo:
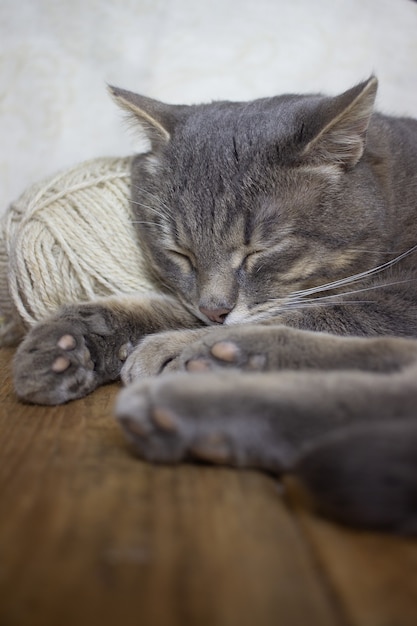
x=156 y=119
x=341 y=126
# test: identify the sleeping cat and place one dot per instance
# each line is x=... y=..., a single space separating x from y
x=283 y=235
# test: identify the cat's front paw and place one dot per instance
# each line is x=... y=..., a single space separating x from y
x=53 y=365
x=70 y=355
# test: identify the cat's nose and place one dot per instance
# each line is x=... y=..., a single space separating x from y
x=216 y=315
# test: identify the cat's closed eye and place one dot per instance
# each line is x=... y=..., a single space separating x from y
x=250 y=259
x=183 y=259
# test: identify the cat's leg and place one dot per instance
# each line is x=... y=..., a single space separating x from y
x=85 y=345
x=255 y=414
x=253 y=347
x=365 y=475
x=265 y=421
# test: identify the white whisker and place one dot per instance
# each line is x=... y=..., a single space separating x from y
x=155 y=197
x=354 y=291
x=153 y=210
x=267 y=315
x=295 y=303
x=355 y=277
x=306 y=305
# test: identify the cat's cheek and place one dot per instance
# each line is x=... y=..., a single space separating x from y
x=182 y=280
x=188 y=289
x=187 y=285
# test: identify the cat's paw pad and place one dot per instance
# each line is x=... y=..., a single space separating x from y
x=203 y=356
x=68 y=344
x=226 y=352
x=53 y=365
x=162 y=434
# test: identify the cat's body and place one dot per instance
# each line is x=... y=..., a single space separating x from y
x=265 y=223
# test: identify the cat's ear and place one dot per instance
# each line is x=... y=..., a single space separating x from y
x=343 y=123
x=156 y=119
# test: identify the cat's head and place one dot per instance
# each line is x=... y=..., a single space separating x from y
x=240 y=206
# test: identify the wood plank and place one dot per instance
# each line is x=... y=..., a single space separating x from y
x=89 y=534
x=374 y=575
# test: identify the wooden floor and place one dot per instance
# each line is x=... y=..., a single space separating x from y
x=90 y=535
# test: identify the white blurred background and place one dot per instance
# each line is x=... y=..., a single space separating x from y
x=56 y=57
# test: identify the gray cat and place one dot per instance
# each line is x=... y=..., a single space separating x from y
x=283 y=234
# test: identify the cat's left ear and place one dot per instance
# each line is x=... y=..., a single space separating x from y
x=156 y=119
x=343 y=122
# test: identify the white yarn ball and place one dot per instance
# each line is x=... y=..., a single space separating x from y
x=68 y=239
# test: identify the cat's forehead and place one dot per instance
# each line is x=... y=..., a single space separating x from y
x=232 y=154
x=242 y=127
x=218 y=118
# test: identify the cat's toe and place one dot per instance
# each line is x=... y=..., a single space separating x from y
x=202 y=358
x=227 y=351
x=211 y=354
x=198 y=364
x=67 y=342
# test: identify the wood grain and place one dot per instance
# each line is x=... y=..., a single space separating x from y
x=373 y=574
x=91 y=535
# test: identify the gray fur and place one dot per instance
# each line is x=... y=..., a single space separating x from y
x=283 y=232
